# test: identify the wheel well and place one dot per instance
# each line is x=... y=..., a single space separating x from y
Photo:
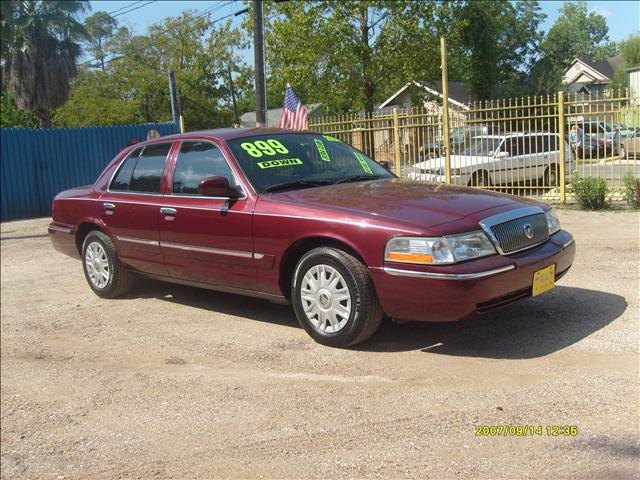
x=476 y=175
x=82 y=232
x=295 y=252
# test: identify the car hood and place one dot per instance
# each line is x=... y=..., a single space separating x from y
x=410 y=203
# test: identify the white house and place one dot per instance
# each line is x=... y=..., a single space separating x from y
x=591 y=77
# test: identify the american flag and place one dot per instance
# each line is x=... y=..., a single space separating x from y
x=294 y=113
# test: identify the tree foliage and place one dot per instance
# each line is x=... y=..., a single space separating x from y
x=575 y=33
x=40 y=49
x=133 y=86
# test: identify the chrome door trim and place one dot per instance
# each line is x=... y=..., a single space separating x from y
x=215 y=251
x=447 y=276
x=55 y=228
x=123 y=238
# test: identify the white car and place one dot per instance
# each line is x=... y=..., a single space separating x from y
x=501 y=160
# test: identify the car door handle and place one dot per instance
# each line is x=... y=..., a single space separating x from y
x=168 y=211
x=109 y=206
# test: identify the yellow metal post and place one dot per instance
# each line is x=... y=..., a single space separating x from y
x=445 y=110
x=181 y=124
x=563 y=193
x=396 y=141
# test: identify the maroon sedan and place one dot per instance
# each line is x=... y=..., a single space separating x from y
x=307 y=219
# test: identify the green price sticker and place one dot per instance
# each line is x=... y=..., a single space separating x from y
x=270 y=146
x=332 y=139
x=324 y=155
x=284 y=162
x=363 y=162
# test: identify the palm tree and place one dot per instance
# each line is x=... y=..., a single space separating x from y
x=39 y=50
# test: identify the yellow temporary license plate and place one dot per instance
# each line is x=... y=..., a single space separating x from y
x=544 y=280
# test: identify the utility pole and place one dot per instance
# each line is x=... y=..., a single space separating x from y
x=258 y=49
x=233 y=95
x=445 y=110
x=176 y=113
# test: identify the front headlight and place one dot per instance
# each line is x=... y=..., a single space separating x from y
x=553 y=222
x=438 y=250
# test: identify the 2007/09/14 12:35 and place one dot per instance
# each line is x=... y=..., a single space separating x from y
x=526 y=430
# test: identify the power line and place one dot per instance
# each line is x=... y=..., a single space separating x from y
x=206 y=25
x=111 y=14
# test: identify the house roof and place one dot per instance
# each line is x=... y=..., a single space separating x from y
x=458 y=94
x=605 y=68
x=273 y=115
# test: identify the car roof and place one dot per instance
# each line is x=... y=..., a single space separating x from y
x=231 y=133
x=514 y=135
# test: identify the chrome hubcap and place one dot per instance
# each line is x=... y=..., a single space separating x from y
x=95 y=259
x=326 y=299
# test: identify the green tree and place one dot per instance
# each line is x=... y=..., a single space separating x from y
x=133 y=88
x=40 y=49
x=343 y=54
x=631 y=58
x=100 y=28
x=575 y=33
x=502 y=39
x=11 y=116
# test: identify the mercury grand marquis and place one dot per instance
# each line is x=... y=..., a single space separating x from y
x=305 y=219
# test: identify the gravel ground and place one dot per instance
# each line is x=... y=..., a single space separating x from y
x=179 y=382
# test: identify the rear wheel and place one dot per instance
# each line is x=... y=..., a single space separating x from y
x=105 y=273
x=480 y=179
x=551 y=174
x=334 y=299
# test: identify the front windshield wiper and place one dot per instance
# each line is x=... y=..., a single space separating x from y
x=357 y=178
x=296 y=183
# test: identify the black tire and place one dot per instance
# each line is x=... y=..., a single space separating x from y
x=120 y=280
x=365 y=313
x=551 y=176
x=480 y=179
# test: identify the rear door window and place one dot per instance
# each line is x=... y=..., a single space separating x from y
x=147 y=174
x=196 y=161
x=122 y=180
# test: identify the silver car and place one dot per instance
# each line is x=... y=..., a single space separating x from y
x=532 y=157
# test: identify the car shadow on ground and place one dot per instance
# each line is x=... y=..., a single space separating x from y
x=528 y=329
x=531 y=328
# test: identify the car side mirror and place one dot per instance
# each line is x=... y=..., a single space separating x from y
x=385 y=164
x=500 y=154
x=217 y=187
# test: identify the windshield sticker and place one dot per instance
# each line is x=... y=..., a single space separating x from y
x=363 y=162
x=324 y=155
x=271 y=146
x=332 y=139
x=284 y=162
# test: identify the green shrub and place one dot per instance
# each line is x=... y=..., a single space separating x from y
x=632 y=190
x=590 y=192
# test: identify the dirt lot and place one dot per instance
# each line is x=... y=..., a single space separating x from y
x=179 y=382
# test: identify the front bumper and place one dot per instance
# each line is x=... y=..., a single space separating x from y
x=454 y=292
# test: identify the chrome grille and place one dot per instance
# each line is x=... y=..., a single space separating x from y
x=511 y=235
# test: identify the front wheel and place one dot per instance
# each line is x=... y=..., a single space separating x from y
x=334 y=299
x=105 y=274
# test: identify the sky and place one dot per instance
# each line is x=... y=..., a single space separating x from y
x=623 y=17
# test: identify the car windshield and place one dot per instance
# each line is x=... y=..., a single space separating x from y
x=482 y=146
x=280 y=161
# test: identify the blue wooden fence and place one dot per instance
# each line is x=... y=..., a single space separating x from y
x=37 y=164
